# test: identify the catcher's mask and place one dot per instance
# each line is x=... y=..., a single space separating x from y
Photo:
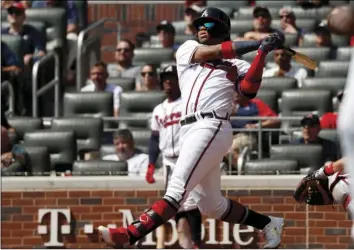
x=215 y=21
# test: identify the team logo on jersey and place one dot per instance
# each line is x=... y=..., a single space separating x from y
x=169 y=120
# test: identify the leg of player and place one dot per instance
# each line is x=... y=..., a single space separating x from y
x=211 y=203
x=346 y=128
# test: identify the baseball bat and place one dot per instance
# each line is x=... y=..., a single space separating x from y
x=161 y=232
x=301 y=58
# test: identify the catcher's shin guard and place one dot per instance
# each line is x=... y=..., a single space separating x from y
x=157 y=215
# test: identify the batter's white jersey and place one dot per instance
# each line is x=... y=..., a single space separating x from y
x=165 y=120
x=207 y=87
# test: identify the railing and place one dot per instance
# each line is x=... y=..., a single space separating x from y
x=7 y=85
x=36 y=93
x=88 y=42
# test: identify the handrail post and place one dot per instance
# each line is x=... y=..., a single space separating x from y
x=260 y=142
x=7 y=84
x=35 y=71
x=81 y=46
x=57 y=85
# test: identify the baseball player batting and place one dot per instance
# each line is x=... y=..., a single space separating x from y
x=209 y=73
x=165 y=138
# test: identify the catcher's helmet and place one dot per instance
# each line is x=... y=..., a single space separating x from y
x=216 y=15
x=169 y=70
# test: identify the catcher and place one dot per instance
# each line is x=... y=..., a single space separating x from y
x=326 y=186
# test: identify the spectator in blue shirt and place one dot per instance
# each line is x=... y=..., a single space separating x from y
x=71 y=11
x=34 y=42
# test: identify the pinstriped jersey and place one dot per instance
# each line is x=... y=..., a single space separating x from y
x=165 y=120
x=208 y=86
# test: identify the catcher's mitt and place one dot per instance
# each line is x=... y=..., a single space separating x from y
x=313 y=191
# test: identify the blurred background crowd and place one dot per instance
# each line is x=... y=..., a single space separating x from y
x=67 y=112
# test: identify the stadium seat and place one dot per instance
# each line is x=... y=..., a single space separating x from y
x=14 y=169
x=246 y=13
x=269 y=97
x=241 y=26
x=315 y=13
x=39 y=160
x=88 y=131
x=332 y=69
x=307 y=25
x=127 y=84
x=227 y=4
x=250 y=56
x=94 y=104
x=304 y=101
x=291 y=40
x=344 y=53
x=55 y=21
x=277 y=4
x=271 y=167
x=330 y=134
x=337 y=2
x=317 y=54
x=139 y=105
x=16 y=44
x=23 y=125
x=179 y=27
x=310 y=40
x=307 y=156
x=100 y=167
x=141 y=138
x=179 y=39
x=3 y=15
x=333 y=84
x=278 y=84
x=107 y=149
x=152 y=55
x=61 y=147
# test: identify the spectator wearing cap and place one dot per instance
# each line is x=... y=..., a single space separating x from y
x=311 y=128
x=283 y=67
x=262 y=20
x=166 y=35
x=324 y=39
x=288 y=23
x=71 y=11
x=192 y=12
x=329 y=119
x=149 y=80
x=124 y=55
x=98 y=83
x=35 y=44
x=125 y=151
x=5 y=3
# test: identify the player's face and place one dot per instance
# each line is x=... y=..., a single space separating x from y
x=124 y=148
x=205 y=32
x=170 y=84
x=98 y=75
x=124 y=52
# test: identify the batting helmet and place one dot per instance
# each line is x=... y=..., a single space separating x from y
x=169 y=70
x=218 y=16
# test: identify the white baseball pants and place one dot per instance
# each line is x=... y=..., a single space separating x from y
x=346 y=125
x=197 y=172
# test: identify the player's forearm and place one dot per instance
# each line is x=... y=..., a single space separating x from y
x=154 y=150
x=249 y=86
x=226 y=50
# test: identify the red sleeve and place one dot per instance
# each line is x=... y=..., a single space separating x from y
x=263 y=108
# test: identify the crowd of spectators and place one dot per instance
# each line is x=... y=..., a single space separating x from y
x=17 y=71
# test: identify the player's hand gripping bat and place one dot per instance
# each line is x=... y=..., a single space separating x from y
x=301 y=58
